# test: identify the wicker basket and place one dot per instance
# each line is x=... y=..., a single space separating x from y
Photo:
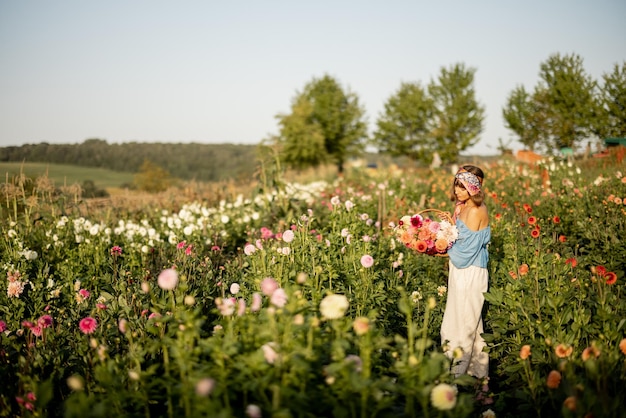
x=436 y=213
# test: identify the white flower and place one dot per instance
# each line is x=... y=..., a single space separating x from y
x=335 y=201
x=349 y=205
x=168 y=279
x=234 y=288
x=249 y=249
x=288 y=236
x=334 y=306
x=443 y=396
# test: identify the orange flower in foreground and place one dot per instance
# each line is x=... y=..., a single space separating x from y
x=524 y=353
x=554 y=379
x=570 y=403
x=527 y=208
x=611 y=277
x=421 y=246
x=556 y=220
x=563 y=351
x=589 y=352
x=622 y=344
x=535 y=233
x=532 y=220
x=562 y=238
x=523 y=269
x=441 y=244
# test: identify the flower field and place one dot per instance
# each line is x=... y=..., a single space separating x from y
x=303 y=302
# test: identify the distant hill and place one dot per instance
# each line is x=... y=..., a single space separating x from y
x=203 y=162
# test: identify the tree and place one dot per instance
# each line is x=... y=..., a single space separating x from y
x=152 y=178
x=302 y=140
x=612 y=122
x=334 y=114
x=458 y=117
x=525 y=115
x=570 y=101
x=404 y=127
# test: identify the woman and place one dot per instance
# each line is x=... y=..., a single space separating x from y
x=468 y=277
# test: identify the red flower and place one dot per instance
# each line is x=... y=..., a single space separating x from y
x=535 y=233
x=532 y=220
x=556 y=220
x=527 y=208
x=611 y=277
x=599 y=270
x=571 y=261
x=562 y=238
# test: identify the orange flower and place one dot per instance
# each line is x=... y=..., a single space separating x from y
x=611 y=277
x=563 y=351
x=570 y=403
x=441 y=244
x=421 y=246
x=535 y=233
x=556 y=220
x=532 y=220
x=513 y=274
x=571 y=261
x=562 y=238
x=554 y=379
x=527 y=208
x=524 y=353
x=523 y=269
x=498 y=216
x=590 y=351
x=622 y=344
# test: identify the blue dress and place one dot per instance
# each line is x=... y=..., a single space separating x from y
x=470 y=248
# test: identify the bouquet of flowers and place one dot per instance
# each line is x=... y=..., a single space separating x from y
x=426 y=235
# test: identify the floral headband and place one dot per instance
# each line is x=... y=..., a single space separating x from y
x=470 y=181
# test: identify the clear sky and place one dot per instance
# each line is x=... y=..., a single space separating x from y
x=220 y=71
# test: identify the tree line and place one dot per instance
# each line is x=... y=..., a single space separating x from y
x=202 y=162
x=566 y=108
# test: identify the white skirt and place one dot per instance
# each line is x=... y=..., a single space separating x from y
x=462 y=321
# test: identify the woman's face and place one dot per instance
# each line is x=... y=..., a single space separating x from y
x=461 y=193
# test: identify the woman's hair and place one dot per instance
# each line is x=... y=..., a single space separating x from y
x=479 y=197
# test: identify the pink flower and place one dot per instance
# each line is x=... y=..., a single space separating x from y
x=367 y=261
x=268 y=286
x=84 y=293
x=168 y=279
x=241 y=307
x=256 y=302
x=269 y=353
x=116 y=251
x=3 y=326
x=37 y=330
x=45 y=321
x=181 y=245
x=278 y=298
x=205 y=386
x=189 y=249
x=88 y=325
